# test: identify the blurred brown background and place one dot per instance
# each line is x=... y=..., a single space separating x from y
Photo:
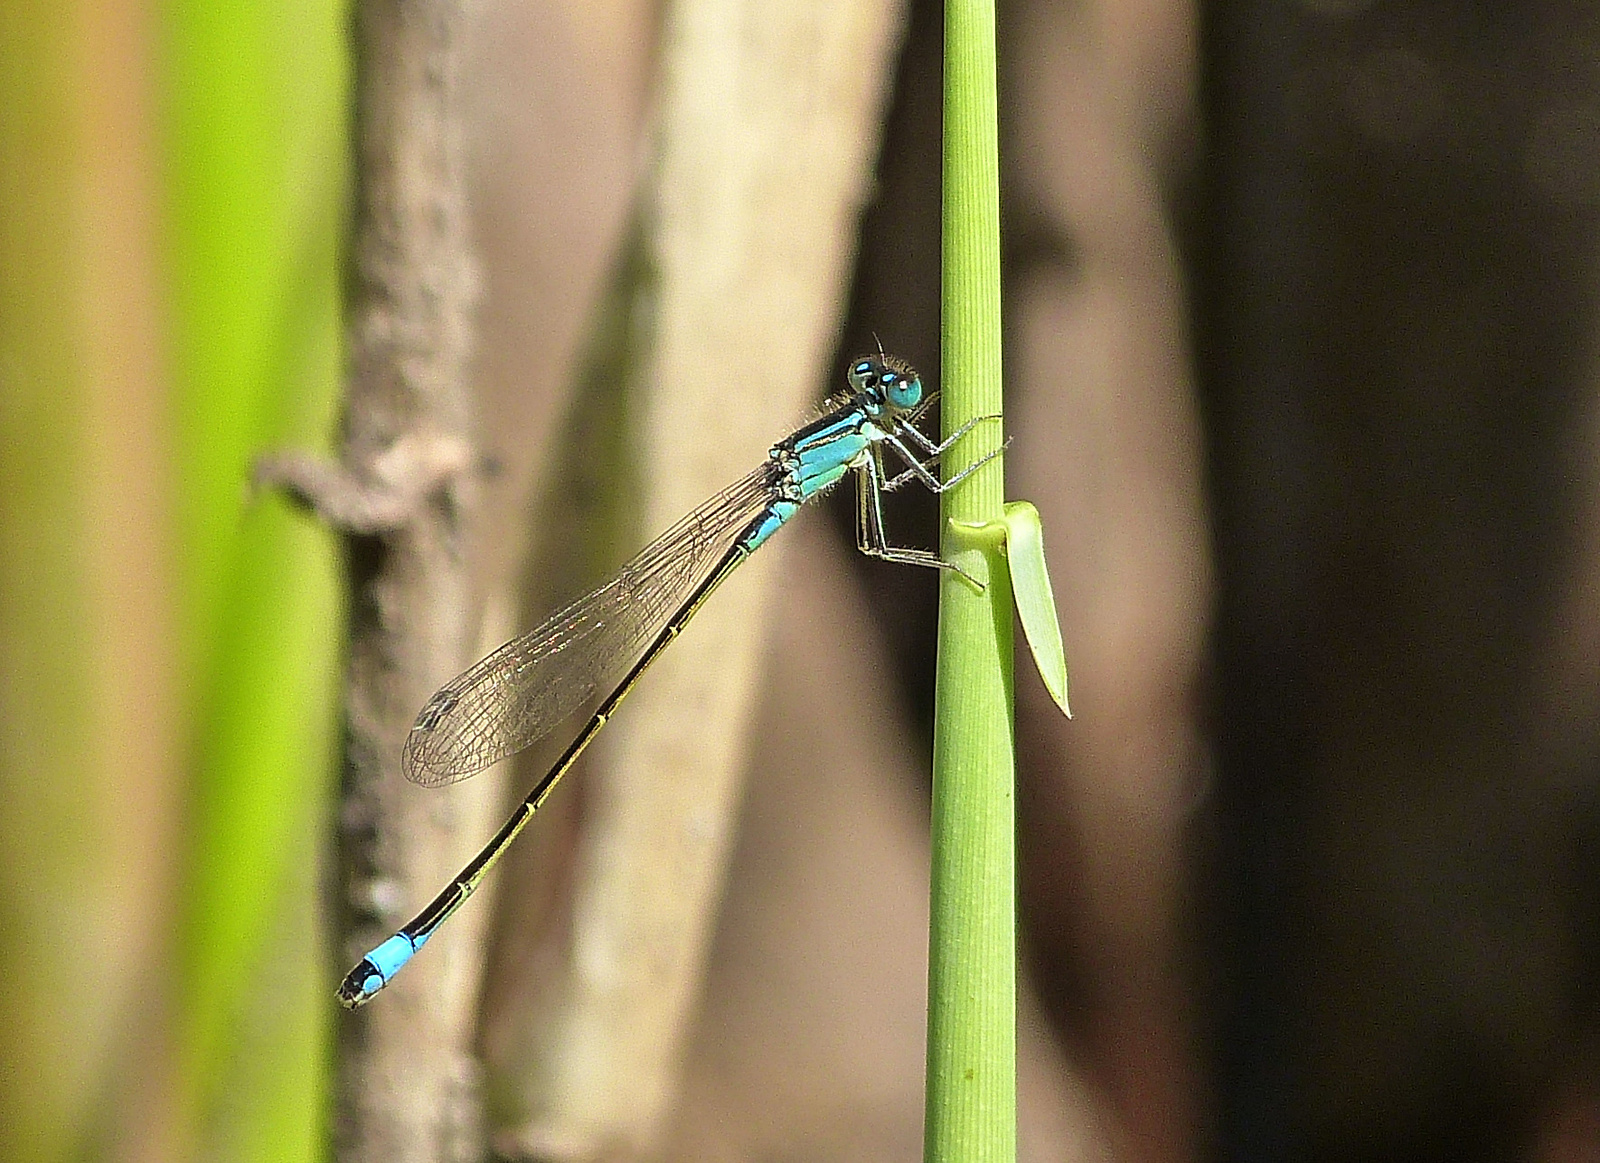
x=1301 y=309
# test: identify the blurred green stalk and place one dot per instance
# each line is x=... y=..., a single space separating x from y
x=971 y=1096
x=256 y=117
x=173 y=180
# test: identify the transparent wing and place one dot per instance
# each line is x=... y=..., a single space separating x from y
x=513 y=697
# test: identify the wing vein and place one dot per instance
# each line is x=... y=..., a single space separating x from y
x=514 y=696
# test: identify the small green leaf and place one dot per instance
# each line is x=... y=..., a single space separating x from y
x=1022 y=538
x=1036 y=604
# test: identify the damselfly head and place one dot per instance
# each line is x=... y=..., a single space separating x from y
x=887 y=381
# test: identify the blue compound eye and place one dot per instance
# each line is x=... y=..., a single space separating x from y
x=902 y=393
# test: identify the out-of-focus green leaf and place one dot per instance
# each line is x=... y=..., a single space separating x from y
x=257 y=99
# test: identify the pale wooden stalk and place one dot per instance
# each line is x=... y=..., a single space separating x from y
x=768 y=122
x=409 y=1083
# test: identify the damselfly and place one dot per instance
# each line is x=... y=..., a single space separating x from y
x=516 y=695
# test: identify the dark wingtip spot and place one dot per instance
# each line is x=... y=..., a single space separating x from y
x=438 y=707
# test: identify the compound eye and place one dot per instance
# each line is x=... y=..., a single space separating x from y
x=902 y=392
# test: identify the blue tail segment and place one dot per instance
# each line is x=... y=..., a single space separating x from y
x=376 y=968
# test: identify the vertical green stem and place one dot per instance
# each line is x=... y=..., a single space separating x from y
x=971 y=1111
x=254 y=98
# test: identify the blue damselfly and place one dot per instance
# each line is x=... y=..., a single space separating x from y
x=516 y=695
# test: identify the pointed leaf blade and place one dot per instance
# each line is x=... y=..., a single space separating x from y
x=1036 y=604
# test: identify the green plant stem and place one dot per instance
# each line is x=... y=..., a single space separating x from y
x=971 y=1098
x=255 y=142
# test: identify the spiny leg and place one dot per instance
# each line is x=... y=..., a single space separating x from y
x=911 y=474
x=871 y=537
x=909 y=428
x=920 y=470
